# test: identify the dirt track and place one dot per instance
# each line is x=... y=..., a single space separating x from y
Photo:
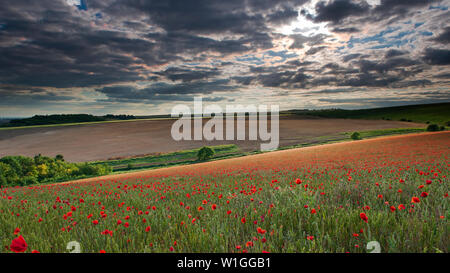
x=109 y=140
x=266 y=160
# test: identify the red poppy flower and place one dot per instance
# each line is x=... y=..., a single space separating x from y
x=243 y=220
x=415 y=200
x=214 y=206
x=18 y=245
x=16 y=231
x=424 y=194
x=363 y=217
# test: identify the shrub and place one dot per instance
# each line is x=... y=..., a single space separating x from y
x=433 y=128
x=205 y=153
x=356 y=136
x=22 y=171
x=447 y=123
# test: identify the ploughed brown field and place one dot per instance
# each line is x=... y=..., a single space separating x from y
x=103 y=141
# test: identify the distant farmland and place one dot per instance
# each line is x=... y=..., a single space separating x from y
x=92 y=142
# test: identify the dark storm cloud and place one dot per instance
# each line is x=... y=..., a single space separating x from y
x=314 y=50
x=23 y=95
x=392 y=71
x=437 y=56
x=189 y=74
x=385 y=66
x=337 y=10
x=345 y=30
x=444 y=37
x=398 y=8
x=394 y=53
x=282 y=16
x=350 y=57
x=244 y=80
x=54 y=48
x=165 y=92
x=276 y=77
x=49 y=43
x=445 y=75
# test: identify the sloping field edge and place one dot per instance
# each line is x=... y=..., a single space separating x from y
x=139 y=174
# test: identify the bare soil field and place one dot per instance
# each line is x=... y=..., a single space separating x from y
x=103 y=141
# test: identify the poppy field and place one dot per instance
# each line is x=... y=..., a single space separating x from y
x=328 y=198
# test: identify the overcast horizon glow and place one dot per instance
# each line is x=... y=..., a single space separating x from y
x=143 y=57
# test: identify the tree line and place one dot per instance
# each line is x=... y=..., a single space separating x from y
x=63 y=118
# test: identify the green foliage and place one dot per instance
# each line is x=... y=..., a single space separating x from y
x=22 y=171
x=169 y=159
x=433 y=128
x=356 y=136
x=205 y=153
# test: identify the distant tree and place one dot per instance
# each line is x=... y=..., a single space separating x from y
x=433 y=128
x=205 y=153
x=356 y=136
x=59 y=157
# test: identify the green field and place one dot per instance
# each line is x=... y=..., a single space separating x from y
x=431 y=113
x=168 y=159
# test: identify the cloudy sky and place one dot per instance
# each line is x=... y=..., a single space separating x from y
x=143 y=57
